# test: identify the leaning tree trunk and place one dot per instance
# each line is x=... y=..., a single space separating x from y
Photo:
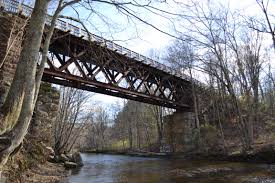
x=17 y=110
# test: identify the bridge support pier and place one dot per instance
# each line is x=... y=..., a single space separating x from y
x=10 y=47
x=178 y=130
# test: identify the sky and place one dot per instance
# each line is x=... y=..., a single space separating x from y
x=108 y=22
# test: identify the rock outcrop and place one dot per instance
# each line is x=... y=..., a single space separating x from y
x=69 y=160
x=77 y=159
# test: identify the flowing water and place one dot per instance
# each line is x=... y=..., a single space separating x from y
x=101 y=168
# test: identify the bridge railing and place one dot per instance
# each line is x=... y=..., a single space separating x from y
x=14 y=6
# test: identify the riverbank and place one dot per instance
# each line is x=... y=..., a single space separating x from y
x=46 y=172
x=30 y=170
x=129 y=153
x=260 y=154
x=265 y=154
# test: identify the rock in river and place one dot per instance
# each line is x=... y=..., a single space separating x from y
x=77 y=159
x=70 y=165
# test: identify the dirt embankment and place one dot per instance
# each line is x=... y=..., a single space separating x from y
x=46 y=173
x=41 y=173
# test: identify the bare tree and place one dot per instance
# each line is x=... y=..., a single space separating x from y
x=232 y=59
x=265 y=25
x=97 y=136
x=71 y=119
x=102 y=125
x=181 y=56
x=158 y=113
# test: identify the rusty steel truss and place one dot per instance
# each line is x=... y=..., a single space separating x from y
x=78 y=63
x=83 y=60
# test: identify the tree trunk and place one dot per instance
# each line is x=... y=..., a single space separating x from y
x=130 y=136
x=159 y=122
x=19 y=105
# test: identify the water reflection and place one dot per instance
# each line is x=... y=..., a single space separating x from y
x=125 y=169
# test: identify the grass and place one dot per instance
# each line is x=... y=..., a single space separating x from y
x=119 y=144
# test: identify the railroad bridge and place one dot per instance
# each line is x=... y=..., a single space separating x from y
x=80 y=59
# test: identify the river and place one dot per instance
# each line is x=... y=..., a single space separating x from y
x=102 y=168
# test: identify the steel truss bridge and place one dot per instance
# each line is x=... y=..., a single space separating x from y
x=86 y=61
